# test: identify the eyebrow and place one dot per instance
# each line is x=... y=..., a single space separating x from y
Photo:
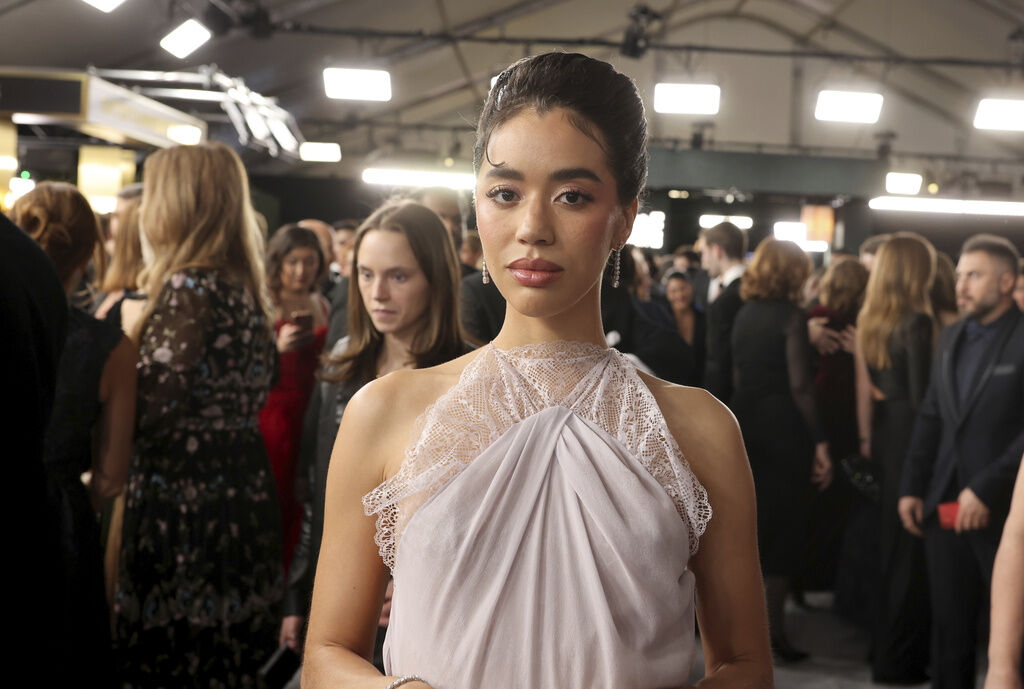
x=562 y=175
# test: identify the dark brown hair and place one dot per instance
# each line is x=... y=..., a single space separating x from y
x=61 y=221
x=777 y=272
x=440 y=338
x=726 y=235
x=598 y=97
x=943 y=293
x=997 y=247
x=285 y=240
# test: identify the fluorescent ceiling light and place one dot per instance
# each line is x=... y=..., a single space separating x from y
x=105 y=5
x=1000 y=113
x=357 y=84
x=648 y=230
x=927 y=204
x=848 y=106
x=103 y=204
x=8 y=163
x=185 y=134
x=394 y=177
x=686 y=99
x=184 y=40
x=743 y=222
x=790 y=231
x=908 y=183
x=320 y=152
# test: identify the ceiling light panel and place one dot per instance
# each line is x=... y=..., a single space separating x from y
x=926 y=204
x=908 y=183
x=320 y=152
x=357 y=84
x=105 y=5
x=1000 y=113
x=184 y=40
x=686 y=99
x=859 y=107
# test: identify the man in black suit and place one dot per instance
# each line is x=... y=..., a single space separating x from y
x=966 y=447
x=724 y=247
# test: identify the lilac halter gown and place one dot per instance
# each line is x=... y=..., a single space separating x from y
x=539 y=530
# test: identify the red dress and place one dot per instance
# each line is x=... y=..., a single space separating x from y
x=281 y=426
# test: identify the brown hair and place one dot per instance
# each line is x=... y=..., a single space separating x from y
x=872 y=244
x=899 y=285
x=126 y=261
x=943 y=292
x=283 y=242
x=196 y=213
x=842 y=287
x=61 y=221
x=997 y=247
x=440 y=339
x=598 y=98
x=726 y=235
x=777 y=272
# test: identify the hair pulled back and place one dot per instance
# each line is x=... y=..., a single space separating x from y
x=61 y=221
x=598 y=96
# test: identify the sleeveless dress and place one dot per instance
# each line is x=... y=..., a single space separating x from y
x=540 y=528
x=281 y=427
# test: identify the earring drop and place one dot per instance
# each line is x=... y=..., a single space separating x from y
x=615 y=270
x=483 y=271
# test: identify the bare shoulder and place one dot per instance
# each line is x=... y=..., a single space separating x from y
x=704 y=428
x=384 y=411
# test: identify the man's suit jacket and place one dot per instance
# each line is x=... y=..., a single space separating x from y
x=977 y=445
x=721 y=314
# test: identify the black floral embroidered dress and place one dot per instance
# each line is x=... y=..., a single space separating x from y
x=200 y=575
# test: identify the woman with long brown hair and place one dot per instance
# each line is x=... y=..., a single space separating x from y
x=775 y=404
x=895 y=331
x=200 y=568
x=295 y=267
x=403 y=314
x=90 y=430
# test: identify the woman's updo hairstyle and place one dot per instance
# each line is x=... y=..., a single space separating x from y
x=597 y=96
x=62 y=222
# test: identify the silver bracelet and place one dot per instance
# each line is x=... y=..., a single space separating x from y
x=405 y=680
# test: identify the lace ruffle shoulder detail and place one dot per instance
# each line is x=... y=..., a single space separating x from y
x=500 y=388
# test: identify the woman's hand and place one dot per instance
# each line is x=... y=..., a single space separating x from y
x=291 y=632
x=291 y=337
x=821 y=469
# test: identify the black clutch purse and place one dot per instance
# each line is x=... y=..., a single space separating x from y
x=862 y=475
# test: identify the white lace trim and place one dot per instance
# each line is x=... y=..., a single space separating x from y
x=500 y=388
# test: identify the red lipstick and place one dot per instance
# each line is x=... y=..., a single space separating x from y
x=535 y=272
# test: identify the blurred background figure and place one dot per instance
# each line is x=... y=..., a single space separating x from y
x=943 y=293
x=690 y=322
x=295 y=264
x=200 y=575
x=325 y=234
x=447 y=205
x=1018 y=290
x=775 y=404
x=895 y=332
x=90 y=430
x=122 y=277
x=723 y=248
x=869 y=248
x=472 y=252
x=404 y=314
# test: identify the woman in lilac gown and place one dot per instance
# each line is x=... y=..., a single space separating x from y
x=550 y=521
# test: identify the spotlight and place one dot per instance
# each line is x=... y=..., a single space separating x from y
x=1000 y=113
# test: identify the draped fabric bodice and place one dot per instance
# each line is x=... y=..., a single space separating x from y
x=539 y=529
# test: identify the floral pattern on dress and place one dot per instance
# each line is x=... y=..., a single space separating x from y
x=200 y=576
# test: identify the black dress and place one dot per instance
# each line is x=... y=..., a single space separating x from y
x=774 y=402
x=902 y=612
x=81 y=635
x=200 y=576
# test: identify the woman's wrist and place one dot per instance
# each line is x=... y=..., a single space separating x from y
x=409 y=682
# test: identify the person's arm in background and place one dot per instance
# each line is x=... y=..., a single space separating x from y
x=116 y=426
x=1006 y=637
x=801 y=386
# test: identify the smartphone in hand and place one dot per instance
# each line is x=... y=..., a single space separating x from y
x=303 y=319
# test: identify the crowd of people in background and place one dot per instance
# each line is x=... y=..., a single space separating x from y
x=204 y=378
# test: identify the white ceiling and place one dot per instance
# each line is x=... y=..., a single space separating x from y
x=439 y=85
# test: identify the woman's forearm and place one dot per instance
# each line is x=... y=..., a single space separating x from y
x=329 y=667
x=739 y=674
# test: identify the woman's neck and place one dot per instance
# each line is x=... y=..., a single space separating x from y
x=395 y=353
x=580 y=323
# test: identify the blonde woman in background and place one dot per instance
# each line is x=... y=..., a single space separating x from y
x=200 y=569
x=122 y=277
x=895 y=331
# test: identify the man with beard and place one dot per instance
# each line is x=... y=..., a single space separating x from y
x=966 y=447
